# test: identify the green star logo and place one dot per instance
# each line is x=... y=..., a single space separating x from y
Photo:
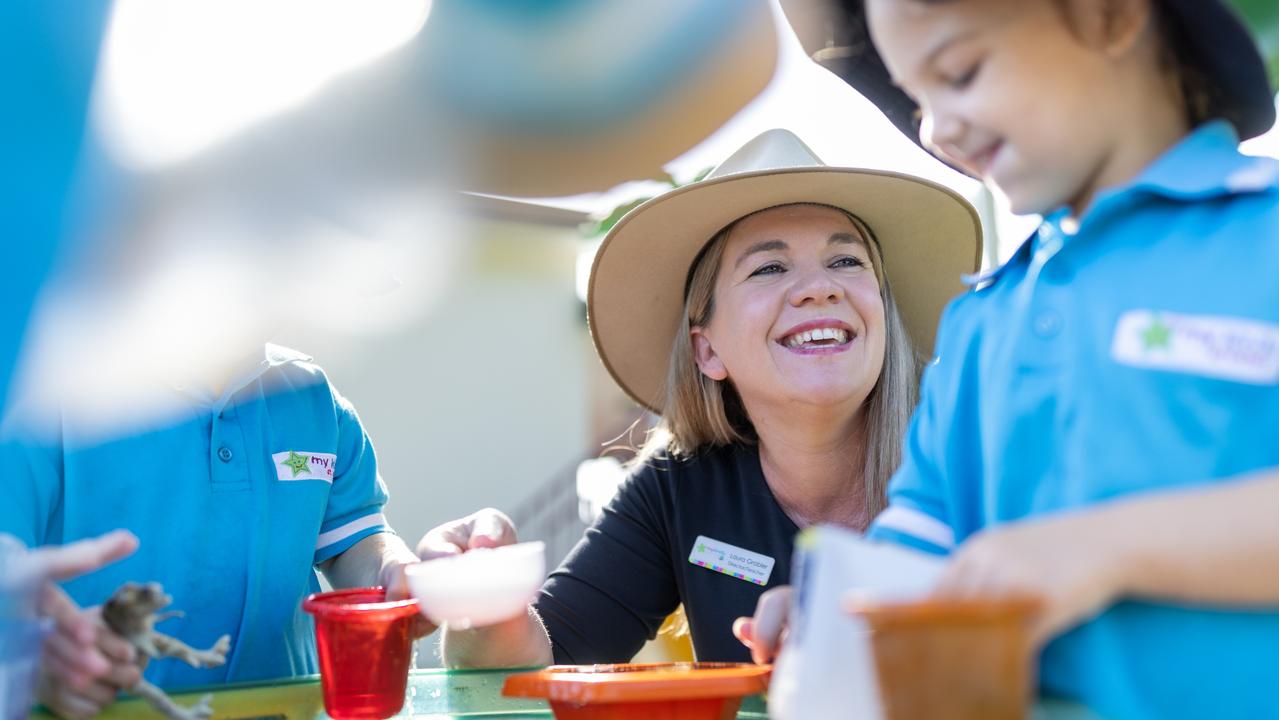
x=297 y=463
x=701 y=547
x=1157 y=336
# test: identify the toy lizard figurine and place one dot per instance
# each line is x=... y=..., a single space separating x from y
x=133 y=612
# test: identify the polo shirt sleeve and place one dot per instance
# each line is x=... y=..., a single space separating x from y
x=617 y=586
x=917 y=515
x=31 y=478
x=358 y=495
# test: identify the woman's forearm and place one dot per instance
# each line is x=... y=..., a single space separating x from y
x=1214 y=545
x=519 y=642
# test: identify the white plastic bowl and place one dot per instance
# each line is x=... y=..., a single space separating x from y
x=479 y=587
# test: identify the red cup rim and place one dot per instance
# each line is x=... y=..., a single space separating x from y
x=343 y=605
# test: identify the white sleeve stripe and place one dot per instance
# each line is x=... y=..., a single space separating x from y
x=342 y=532
x=918 y=525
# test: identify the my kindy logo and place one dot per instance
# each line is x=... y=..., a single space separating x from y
x=1209 y=345
x=296 y=465
x=704 y=549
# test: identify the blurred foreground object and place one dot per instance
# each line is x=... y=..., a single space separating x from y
x=299 y=201
x=952 y=659
x=827 y=665
x=558 y=97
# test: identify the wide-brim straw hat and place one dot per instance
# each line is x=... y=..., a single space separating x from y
x=929 y=236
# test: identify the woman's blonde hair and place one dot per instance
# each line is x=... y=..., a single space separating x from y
x=700 y=411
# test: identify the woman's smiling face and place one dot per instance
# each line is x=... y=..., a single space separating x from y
x=797 y=314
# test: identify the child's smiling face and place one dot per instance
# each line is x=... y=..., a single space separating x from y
x=1034 y=96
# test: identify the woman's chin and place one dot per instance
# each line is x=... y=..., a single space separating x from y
x=825 y=392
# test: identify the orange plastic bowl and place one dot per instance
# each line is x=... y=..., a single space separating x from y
x=656 y=691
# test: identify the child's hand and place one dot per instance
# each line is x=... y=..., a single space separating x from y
x=764 y=632
x=487 y=528
x=84 y=663
x=1070 y=562
x=397 y=588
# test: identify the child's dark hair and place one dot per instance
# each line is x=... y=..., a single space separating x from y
x=1201 y=98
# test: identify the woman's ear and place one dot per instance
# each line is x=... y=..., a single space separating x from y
x=704 y=355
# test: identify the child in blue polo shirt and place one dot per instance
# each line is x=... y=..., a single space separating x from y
x=236 y=500
x=1099 y=426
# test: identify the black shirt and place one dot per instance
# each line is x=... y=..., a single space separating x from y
x=631 y=569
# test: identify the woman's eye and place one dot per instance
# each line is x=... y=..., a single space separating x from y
x=848 y=261
x=768 y=269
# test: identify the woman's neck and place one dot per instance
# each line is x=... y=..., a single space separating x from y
x=814 y=463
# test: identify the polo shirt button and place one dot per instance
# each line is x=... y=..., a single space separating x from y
x=1047 y=324
x=224 y=454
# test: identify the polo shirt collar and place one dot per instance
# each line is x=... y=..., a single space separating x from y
x=1203 y=165
x=241 y=374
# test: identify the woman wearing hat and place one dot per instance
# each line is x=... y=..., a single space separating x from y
x=771 y=315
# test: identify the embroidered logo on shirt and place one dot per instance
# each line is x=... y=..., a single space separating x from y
x=1213 y=346
x=731 y=560
x=295 y=465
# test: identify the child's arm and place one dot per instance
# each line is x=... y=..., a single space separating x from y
x=1215 y=545
x=378 y=559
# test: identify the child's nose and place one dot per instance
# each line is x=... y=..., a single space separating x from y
x=943 y=133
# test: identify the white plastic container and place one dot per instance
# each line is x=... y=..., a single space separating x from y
x=479 y=587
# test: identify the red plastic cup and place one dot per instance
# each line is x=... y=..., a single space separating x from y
x=364 y=644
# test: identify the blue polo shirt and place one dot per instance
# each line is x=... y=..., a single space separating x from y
x=1136 y=351
x=235 y=501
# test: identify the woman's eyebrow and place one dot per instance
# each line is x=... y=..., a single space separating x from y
x=843 y=238
x=762 y=246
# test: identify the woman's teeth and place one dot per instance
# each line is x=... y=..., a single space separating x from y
x=820 y=337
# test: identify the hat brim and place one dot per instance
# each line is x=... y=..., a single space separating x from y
x=929 y=234
x=1218 y=39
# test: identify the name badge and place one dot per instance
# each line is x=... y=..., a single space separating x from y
x=731 y=560
x=1213 y=346
x=297 y=465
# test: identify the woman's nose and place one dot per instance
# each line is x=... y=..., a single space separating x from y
x=816 y=286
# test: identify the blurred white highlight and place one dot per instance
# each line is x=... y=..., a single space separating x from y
x=177 y=76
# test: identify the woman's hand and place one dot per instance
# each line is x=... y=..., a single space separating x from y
x=488 y=528
x=520 y=641
x=1072 y=563
x=765 y=632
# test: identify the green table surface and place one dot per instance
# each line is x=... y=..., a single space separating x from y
x=431 y=694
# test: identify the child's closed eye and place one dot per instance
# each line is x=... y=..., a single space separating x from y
x=961 y=80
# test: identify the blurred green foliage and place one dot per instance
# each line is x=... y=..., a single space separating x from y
x=1263 y=17
x=601 y=227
